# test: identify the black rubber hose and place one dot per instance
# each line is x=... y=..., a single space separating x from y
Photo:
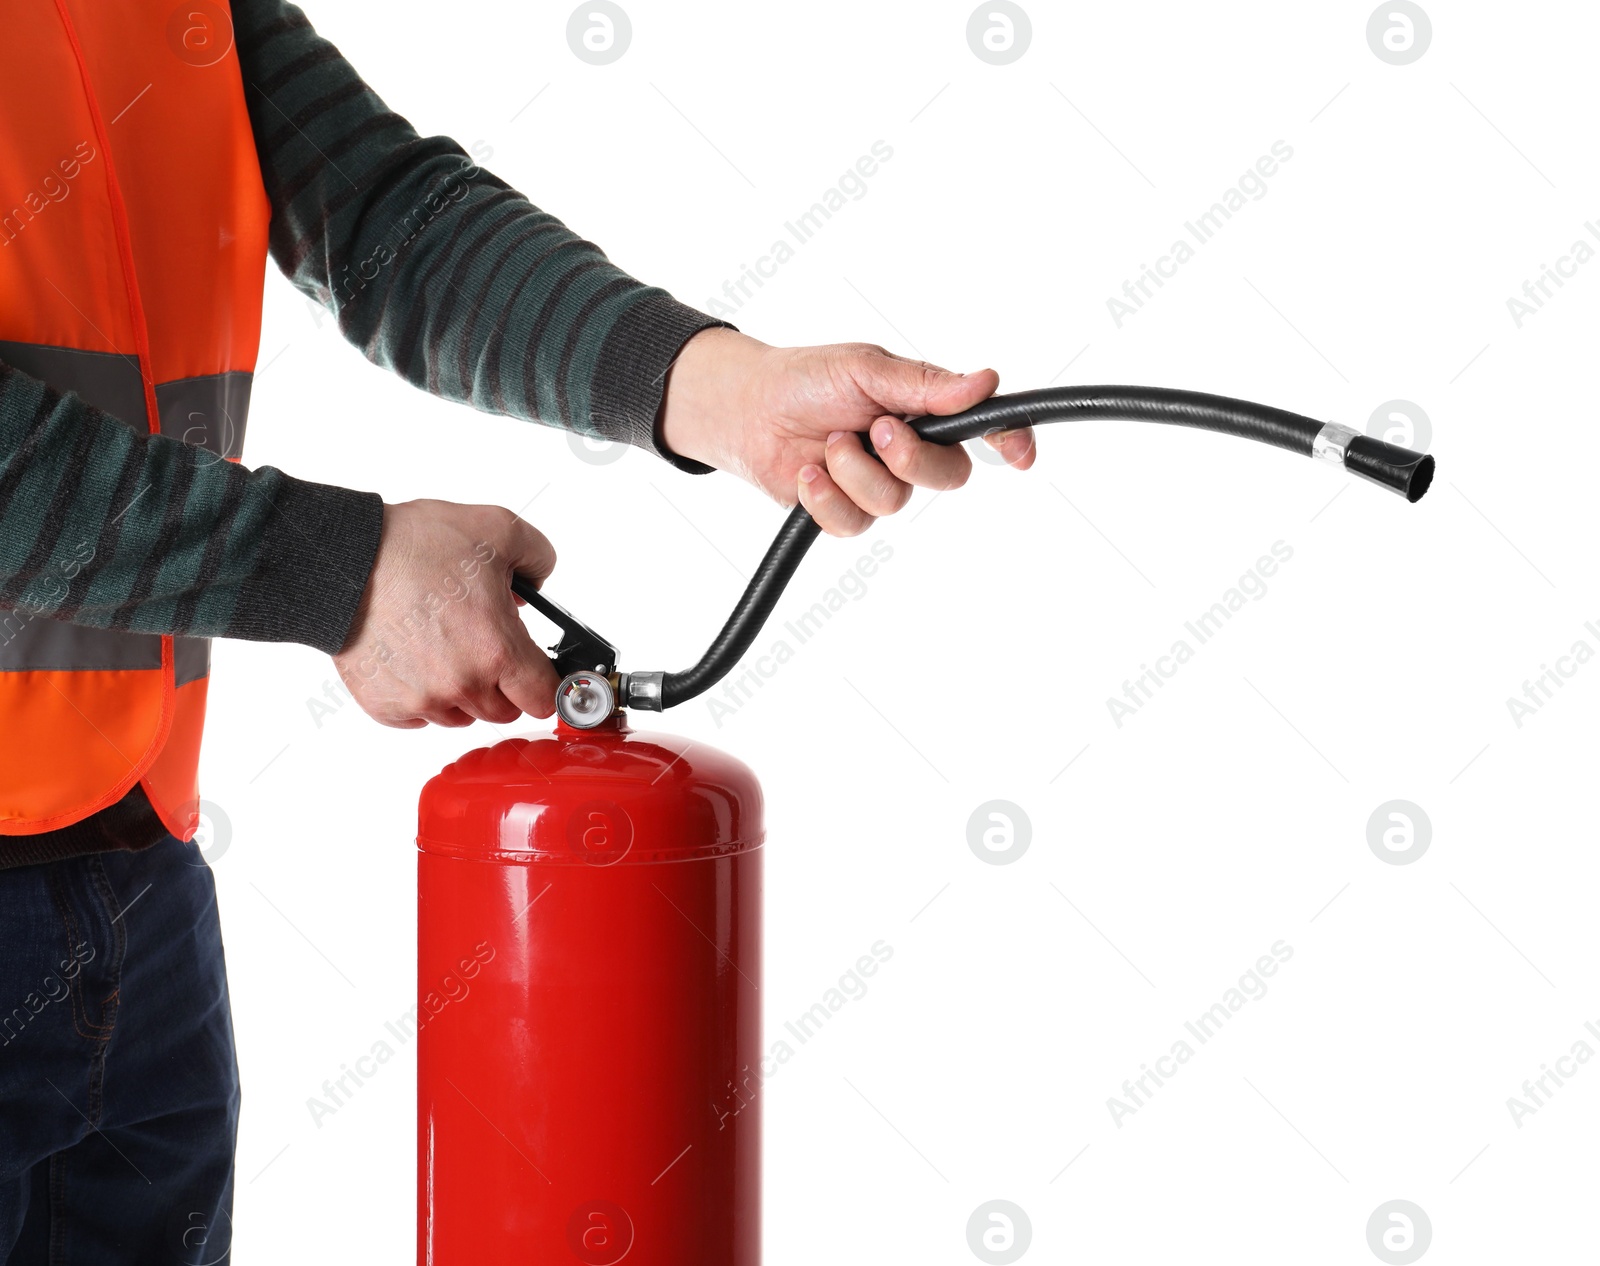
x=1395 y=468
x=760 y=596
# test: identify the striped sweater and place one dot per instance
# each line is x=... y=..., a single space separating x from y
x=435 y=268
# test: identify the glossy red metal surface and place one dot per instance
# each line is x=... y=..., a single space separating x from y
x=589 y=963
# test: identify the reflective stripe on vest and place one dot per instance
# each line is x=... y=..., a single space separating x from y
x=133 y=237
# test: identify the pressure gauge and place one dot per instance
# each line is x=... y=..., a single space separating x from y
x=584 y=700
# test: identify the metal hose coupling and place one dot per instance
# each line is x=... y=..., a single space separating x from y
x=643 y=691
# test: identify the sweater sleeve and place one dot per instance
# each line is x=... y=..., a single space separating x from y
x=437 y=269
x=106 y=526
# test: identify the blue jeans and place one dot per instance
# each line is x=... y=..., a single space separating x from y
x=119 y=1092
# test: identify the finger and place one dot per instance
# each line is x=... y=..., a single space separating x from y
x=449 y=717
x=834 y=512
x=399 y=721
x=526 y=550
x=1017 y=447
x=490 y=704
x=913 y=386
x=917 y=461
x=866 y=482
x=528 y=680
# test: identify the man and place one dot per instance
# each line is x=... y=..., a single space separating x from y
x=151 y=158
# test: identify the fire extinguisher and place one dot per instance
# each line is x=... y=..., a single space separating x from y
x=589 y=927
x=589 y=969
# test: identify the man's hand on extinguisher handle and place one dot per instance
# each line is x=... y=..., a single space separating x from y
x=438 y=636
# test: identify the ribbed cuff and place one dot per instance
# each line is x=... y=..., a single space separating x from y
x=312 y=567
x=631 y=375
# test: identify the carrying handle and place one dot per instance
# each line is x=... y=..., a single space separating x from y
x=580 y=648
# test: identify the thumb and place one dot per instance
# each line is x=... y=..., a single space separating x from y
x=910 y=387
x=530 y=679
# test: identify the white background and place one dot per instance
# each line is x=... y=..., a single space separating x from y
x=1229 y=814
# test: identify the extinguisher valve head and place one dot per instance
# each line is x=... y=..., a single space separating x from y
x=585 y=699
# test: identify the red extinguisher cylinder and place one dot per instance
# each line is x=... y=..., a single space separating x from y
x=589 y=971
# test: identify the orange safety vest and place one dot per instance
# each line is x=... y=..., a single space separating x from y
x=133 y=241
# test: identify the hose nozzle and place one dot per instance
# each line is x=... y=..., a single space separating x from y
x=1395 y=468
